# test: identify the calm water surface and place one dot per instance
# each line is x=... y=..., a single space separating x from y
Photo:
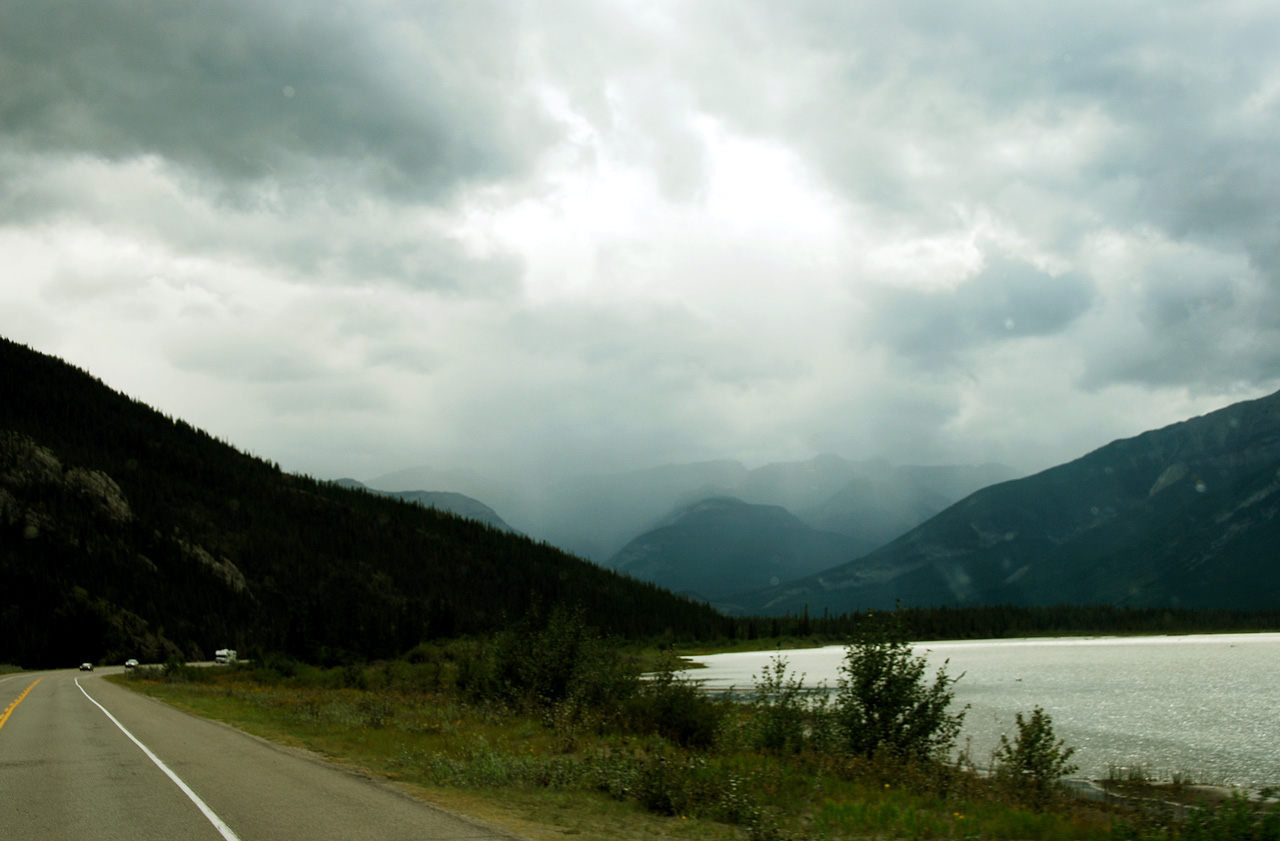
x=1203 y=705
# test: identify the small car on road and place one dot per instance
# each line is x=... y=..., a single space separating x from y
x=86 y=667
x=131 y=663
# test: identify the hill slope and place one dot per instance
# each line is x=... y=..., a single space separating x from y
x=721 y=546
x=1180 y=516
x=127 y=533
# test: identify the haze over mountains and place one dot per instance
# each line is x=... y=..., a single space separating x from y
x=1183 y=516
x=596 y=516
x=713 y=529
x=722 y=545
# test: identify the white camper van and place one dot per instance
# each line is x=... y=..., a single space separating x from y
x=224 y=655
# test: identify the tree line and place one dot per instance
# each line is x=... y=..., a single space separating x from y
x=1009 y=621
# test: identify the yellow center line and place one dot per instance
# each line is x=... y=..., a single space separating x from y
x=9 y=709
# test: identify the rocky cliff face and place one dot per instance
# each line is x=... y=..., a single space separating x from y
x=74 y=506
x=1184 y=515
x=32 y=477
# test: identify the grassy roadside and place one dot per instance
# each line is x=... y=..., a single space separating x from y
x=477 y=762
x=551 y=775
x=553 y=734
x=523 y=774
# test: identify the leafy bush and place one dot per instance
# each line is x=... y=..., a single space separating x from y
x=562 y=666
x=474 y=677
x=273 y=668
x=176 y=671
x=425 y=670
x=701 y=785
x=662 y=786
x=780 y=709
x=1031 y=766
x=674 y=707
x=884 y=702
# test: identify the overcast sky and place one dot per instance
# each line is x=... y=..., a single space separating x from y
x=572 y=237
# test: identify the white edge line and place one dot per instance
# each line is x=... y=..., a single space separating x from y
x=200 y=804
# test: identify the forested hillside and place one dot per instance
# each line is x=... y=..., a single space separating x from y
x=127 y=533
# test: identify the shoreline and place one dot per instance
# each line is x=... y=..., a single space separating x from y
x=1137 y=708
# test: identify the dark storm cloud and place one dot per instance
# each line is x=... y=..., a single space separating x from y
x=1006 y=301
x=284 y=92
x=906 y=105
x=627 y=232
x=1200 y=320
x=1063 y=122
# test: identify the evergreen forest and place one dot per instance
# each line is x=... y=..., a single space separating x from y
x=126 y=533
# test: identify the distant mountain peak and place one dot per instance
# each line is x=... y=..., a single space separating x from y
x=720 y=546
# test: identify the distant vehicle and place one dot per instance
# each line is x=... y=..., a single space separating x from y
x=131 y=663
x=224 y=655
x=86 y=667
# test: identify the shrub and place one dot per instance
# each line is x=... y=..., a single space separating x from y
x=661 y=786
x=474 y=677
x=352 y=676
x=562 y=666
x=695 y=785
x=176 y=671
x=1031 y=766
x=273 y=668
x=537 y=667
x=884 y=702
x=674 y=707
x=779 y=709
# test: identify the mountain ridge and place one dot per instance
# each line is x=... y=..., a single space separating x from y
x=720 y=546
x=1128 y=523
x=595 y=516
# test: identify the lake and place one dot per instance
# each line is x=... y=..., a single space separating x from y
x=1205 y=706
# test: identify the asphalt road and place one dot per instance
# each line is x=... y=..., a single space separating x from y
x=69 y=771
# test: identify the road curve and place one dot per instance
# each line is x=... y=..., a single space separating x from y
x=67 y=770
